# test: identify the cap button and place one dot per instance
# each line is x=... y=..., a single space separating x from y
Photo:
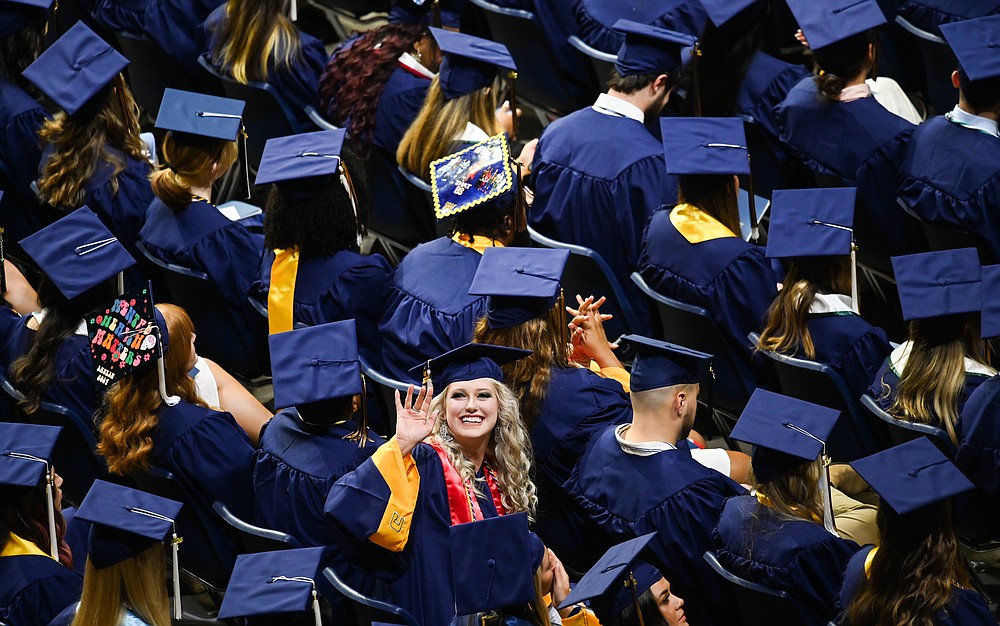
x=314 y=362
x=491 y=563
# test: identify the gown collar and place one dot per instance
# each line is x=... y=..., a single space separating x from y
x=40 y=316
x=975 y=122
x=479 y=245
x=413 y=66
x=610 y=105
x=644 y=448
x=901 y=354
x=696 y=225
x=831 y=304
x=16 y=546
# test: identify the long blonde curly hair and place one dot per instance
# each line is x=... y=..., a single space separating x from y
x=509 y=452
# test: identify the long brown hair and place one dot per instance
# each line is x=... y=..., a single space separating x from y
x=129 y=413
x=188 y=161
x=83 y=140
x=785 y=330
x=795 y=493
x=252 y=34
x=136 y=583
x=913 y=573
x=24 y=512
x=714 y=194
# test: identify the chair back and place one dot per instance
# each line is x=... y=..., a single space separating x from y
x=938 y=62
x=254 y=539
x=587 y=273
x=756 y=604
x=603 y=63
x=151 y=71
x=382 y=389
x=947 y=237
x=401 y=216
x=901 y=431
x=367 y=610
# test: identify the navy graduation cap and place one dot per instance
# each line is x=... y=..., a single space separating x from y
x=705 y=145
x=493 y=563
x=25 y=461
x=721 y=11
x=468 y=362
x=75 y=68
x=826 y=22
x=16 y=14
x=932 y=284
x=649 y=49
x=267 y=583
x=469 y=63
x=315 y=363
x=617 y=579
x=200 y=114
x=522 y=283
x=976 y=44
x=301 y=156
x=660 y=364
x=77 y=252
x=472 y=177
x=990 y=326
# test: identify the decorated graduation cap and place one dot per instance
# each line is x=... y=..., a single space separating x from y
x=722 y=11
x=990 y=326
x=785 y=433
x=77 y=252
x=315 y=363
x=522 y=283
x=616 y=580
x=468 y=362
x=25 y=461
x=933 y=284
x=77 y=67
x=814 y=222
x=126 y=522
x=493 y=563
x=473 y=177
x=16 y=14
x=470 y=63
x=975 y=44
x=825 y=22
x=661 y=364
x=269 y=583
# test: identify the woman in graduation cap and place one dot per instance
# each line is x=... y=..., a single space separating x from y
x=92 y=153
x=458 y=457
x=917 y=574
x=254 y=41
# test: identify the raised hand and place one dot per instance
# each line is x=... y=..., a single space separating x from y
x=588 y=338
x=414 y=423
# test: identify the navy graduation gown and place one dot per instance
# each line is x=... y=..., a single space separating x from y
x=951 y=176
x=35 y=588
x=344 y=286
x=429 y=310
x=765 y=85
x=209 y=454
x=398 y=106
x=796 y=556
x=979 y=443
x=20 y=119
x=595 y=18
x=928 y=15
x=850 y=345
x=598 y=193
x=668 y=493
x=883 y=387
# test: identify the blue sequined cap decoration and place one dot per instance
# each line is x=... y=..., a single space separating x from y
x=472 y=177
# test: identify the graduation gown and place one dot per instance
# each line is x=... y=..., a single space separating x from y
x=689 y=256
x=20 y=119
x=765 y=85
x=597 y=193
x=951 y=177
x=595 y=18
x=966 y=608
x=928 y=15
x=668 y=493
x=209 y=454
x=796 y=556
x=979 y=443
x=428 y=310
x=398 y=106
x=344 y=286
x=202 y=238
x=34 y=587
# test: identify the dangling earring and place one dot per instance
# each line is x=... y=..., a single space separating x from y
x=444 y=434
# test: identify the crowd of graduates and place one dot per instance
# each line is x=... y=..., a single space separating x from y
x=454 y=432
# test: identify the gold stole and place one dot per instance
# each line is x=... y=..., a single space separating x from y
x=696 y=225
x=281 y=293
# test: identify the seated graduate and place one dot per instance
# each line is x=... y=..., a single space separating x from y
x=633 y=479
x=92 y=154
x=37 y=580
x=598 y=173
x=929 y=377
x=951 y=174
x=917 y=574
x=595 y=19
x=930 y=15
x=152 y=415
x=693 y=252
x=429 y=310
x=124 y=580
x=784 y=535
x=279 y=587
x=46 y=353
x=182 y=225
x=815 y=315
x=254 y=41
x=312 y=271
x=461 y=457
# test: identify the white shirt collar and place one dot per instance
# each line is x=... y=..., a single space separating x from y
x=472 y=134
x=40 y=315
x=644 y=448
x=830 y=303
x=975 y=122
x=408 y=60
x=901 y=354
x=610 y=105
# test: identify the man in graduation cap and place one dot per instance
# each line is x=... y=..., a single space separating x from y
x=596 y=19
x=598 y=173
x=636 y=478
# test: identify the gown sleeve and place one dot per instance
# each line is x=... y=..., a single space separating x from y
x=864 y=360
x=743 y=294
x=41 y=601
x=231 y=258
x=978 y=453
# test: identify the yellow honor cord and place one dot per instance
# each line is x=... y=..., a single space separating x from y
x=697 y=226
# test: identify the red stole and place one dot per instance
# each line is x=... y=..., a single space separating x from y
x=461 y=496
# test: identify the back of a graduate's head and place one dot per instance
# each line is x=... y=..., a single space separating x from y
x=637 y=82
x=501 y=218
x=20 y=48
x=135 y=583
x=725 y=54
x=840 y=62
x=982 y=96
x=190 y=160
x=329 y=412
x=795 y=489
x=255 y=37
x=714 y=194
x=24 y=512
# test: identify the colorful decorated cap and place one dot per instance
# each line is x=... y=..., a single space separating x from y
x=976 y=44
x=77 y=252
x=125 y=521
x=269 y=583
x=493 y=563
x=912 y=475
x=990 y=302
x=26 y=452
x=473 y=177
x=301 y=156
x=469 y=63
x=705 y=145
x=721 y=11
x=660 y=364
x=785 y=432
x=522 y=283
x=126 y=337
x=932 y=284
x=75 y=68
x=469 y=362
x=811 y=222
x=650 y=50
x=16 y=14
x=826 y=22
x=608 y=583
x=315 y=363
x=200 y=114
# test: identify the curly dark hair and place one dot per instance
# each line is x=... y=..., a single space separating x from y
x=354 y=79
x=315 y=214
x=19 y=49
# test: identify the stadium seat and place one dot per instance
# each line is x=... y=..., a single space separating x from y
x=602 y=62
x=901 y=431
x=757 y=605
x=252 y=538
x=369 y=611
x=938 y=63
